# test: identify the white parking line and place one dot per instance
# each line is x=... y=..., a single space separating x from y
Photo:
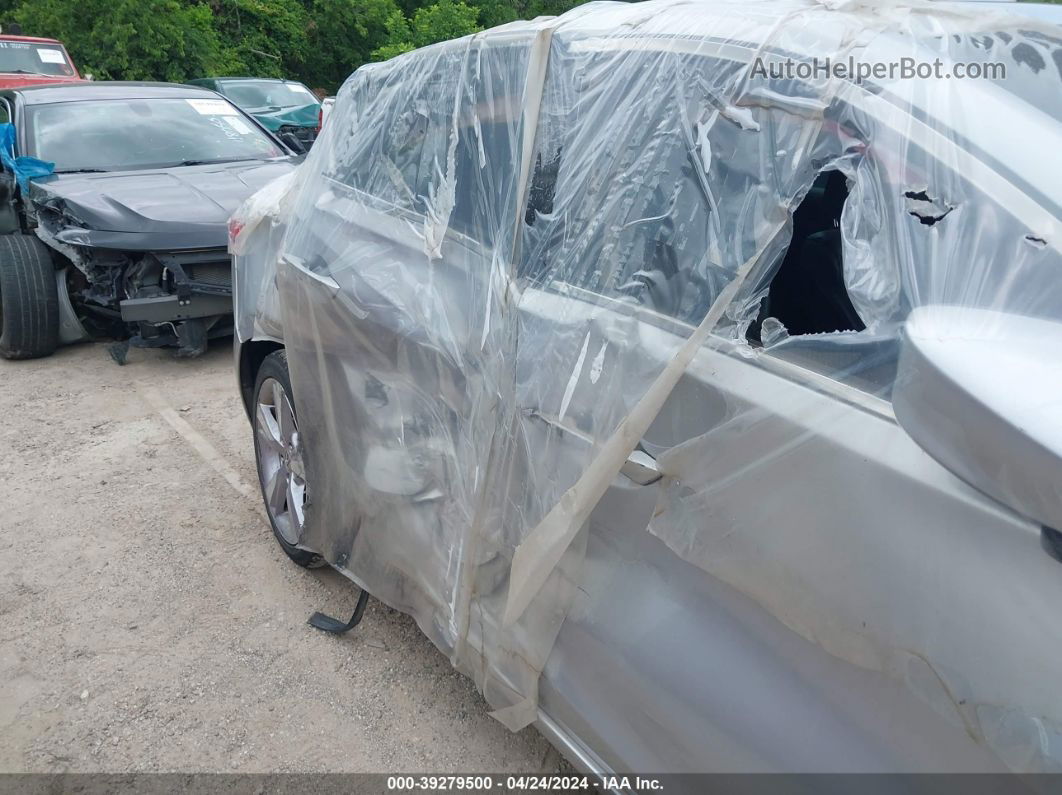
x=199 y=443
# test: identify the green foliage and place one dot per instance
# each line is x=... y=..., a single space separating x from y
x=343 y=34
x=444 y=19
x=129 y=39
x=539 y=8
x=398 y=39
x=262 y=38
x=319 y=42
x=495 y=12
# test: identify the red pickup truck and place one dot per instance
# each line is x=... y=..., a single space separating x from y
x=28 y=60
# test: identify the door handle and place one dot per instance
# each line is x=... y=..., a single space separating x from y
x=641 y=468
x=297 y=263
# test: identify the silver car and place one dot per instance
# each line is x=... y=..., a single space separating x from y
x=690 y=372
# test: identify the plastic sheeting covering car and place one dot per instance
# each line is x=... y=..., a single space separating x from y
x=506 y=252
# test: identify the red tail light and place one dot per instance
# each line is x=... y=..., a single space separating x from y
x=235 y=227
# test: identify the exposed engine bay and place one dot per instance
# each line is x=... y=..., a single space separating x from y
x=133 y=270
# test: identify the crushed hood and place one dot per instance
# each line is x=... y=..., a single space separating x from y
x=303 y=116
x=183 y=207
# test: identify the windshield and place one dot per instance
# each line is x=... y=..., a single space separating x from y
x=271 y=94
x=39 y=59
x=143 y=133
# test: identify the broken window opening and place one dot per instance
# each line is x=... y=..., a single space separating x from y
x=808 y=294
x=808 y=299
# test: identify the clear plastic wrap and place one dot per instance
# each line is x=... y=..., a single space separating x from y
x=510 y=259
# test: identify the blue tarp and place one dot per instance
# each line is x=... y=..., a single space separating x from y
x=24 y=168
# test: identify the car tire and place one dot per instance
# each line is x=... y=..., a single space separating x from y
x=278 y=457
x=29 y=299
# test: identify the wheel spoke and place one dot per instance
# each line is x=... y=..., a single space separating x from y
x=277 y=490
x=279 y=401
x=270 y=447
x=296 y=497
x=268 y=427
x=287 y=418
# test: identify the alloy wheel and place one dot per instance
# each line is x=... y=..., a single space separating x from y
x=280 y=466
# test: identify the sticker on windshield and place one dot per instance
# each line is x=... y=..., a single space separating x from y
x=238 y=124
x=213 y=107
x=50 y=56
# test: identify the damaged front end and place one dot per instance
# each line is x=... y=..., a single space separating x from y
x=138 y=287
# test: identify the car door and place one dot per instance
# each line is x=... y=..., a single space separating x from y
x=804 y=589
x=678 y=653
x=389 y=284
x=746 y=612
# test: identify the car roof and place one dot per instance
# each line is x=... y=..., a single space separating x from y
x=12 y=37
x=256 y=79
x=92 y=90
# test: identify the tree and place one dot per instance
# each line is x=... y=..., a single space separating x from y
x=129 y=39
x=494 y=12
x=446 y=19
x=399 y=38
x=263 y=38
x=7 y=11
x=317 y=41
x=539 y=8
x=343 y=35
x=443 y=20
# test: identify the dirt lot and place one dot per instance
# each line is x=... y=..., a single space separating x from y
x=150 y=622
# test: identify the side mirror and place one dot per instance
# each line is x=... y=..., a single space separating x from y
x=293 y=143
x=981 y=392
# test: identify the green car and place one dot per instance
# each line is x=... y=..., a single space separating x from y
x=285 y=107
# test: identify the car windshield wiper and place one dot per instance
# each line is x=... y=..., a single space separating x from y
x=207 y=162
x=80 y=171
x=27 y=72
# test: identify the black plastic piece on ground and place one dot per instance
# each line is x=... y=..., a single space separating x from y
x=191 y=338
x=334 y=625
x=119 y=351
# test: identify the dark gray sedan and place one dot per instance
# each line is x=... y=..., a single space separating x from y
x=114 y=200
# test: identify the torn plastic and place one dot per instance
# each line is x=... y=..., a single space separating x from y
x=509 y=260
x=255 y=234
x=23 y=167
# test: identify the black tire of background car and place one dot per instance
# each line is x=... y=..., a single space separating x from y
x=275 y=365
x=29 y=299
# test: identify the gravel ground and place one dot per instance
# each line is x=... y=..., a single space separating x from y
x=150 y=621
